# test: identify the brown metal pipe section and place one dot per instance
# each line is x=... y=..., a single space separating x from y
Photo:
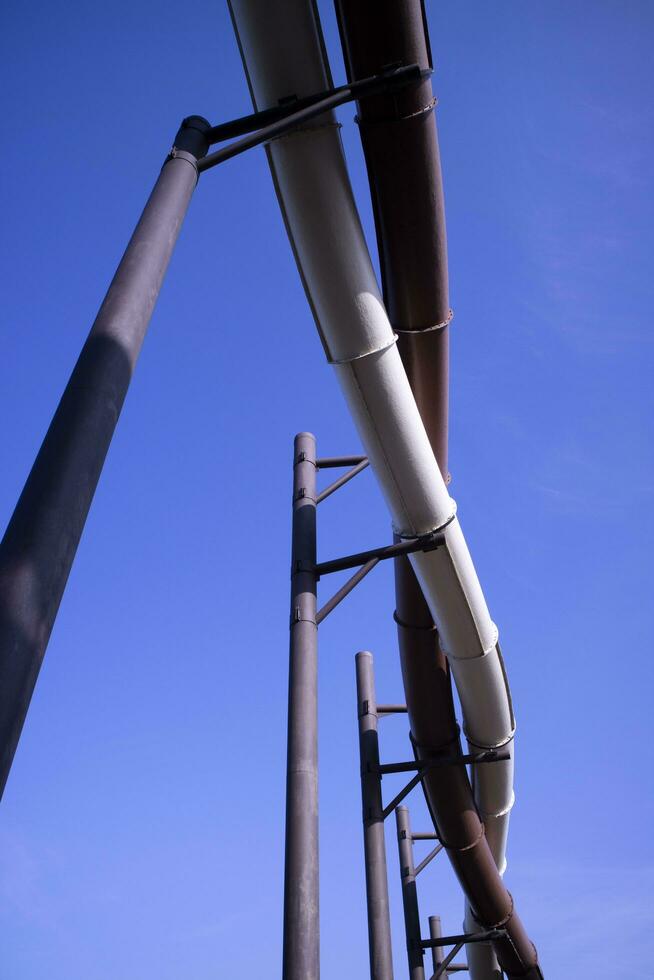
x=401 y=150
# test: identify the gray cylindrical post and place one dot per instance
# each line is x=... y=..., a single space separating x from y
x=301 y=924
x=379 y=925
x=415 y=951
x=435 y=932
x=41 y=539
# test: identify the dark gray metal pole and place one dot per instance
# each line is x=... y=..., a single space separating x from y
x=379 y=924
x=39 y=545
x=435 y=932
x=409 y=895
x=301 y=924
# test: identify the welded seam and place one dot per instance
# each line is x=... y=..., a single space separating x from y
x=365 y=353
x=466 y=847
x=410 y=626
x=484 y=653
x=498 y=813
x=434 y=530
x=363 y=123
x=420 y=330
x=436 y=749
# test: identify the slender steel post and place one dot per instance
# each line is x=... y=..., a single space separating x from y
x=435 y=932
x=379 y=924
x=409 y=895
x=301 y=924
x=37 y=551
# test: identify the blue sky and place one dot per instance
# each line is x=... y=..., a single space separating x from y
x=141 y=830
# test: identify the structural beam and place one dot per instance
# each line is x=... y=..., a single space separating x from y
x=39 y=546
x=409 y=895
x=379 y=926
x=301 y=912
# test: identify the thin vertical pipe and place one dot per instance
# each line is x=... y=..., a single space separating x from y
x=414 y=949
x=301 y=923
x=435 y=932
x=379 y=924
x=39 y=545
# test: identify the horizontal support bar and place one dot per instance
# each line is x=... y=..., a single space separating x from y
x=464 y=939
x=391 y=709
x=492 y=755
x=345 y=590
x=426 y=836
x=332 y=462
x=337 y=484
x=283 y=118
x=426 y=542
x=391 y=77
x=476 y=758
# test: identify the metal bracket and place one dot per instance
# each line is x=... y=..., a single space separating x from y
x=278 y=120
x=337 y=484
x=458 y=942
x=366 y=560
x=423 y=765
x=391 y=709
x=424 y=542
x=428 y=859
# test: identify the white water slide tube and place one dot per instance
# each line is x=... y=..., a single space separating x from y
x=282 y=50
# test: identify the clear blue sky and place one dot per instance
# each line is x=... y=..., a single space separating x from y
x=141 y=830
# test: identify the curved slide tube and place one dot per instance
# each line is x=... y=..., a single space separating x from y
x=283 y=55
x=400 y=143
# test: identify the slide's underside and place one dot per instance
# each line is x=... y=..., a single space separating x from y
x=390 y=354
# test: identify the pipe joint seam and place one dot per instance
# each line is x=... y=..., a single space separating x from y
x=295 y=620
x=491 y=745
x=411 y=535
x=422 y=111
x=365 y=353
x=410 y=626
x=467 y=847
x=486 y=814
x=435 y=750
x=431 y=329
x=176 y=154
x=485 y=653
x=497 y=925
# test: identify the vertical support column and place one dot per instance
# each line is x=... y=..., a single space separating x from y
x=409 y=895
x=301 y=924
x=379 y=926
x=39 y=545
x=435 y=932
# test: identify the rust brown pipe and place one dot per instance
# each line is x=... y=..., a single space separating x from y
x=401 y=150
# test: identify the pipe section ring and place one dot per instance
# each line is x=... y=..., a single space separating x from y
x=436 y=326
x=365 y=353
x=410 y=536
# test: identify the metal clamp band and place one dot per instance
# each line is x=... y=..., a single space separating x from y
x=365 y=353
x=436 y=326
